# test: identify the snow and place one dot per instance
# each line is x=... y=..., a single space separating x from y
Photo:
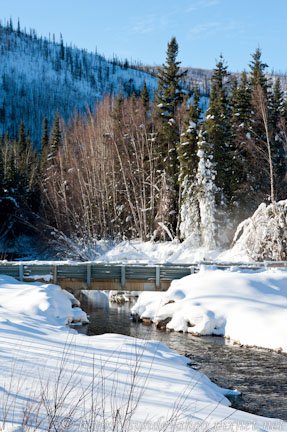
x=151 y=253
x=35 y=80
x=57 y=379
x=189 y=216
x=205 y=205
x=139 y=252
x=249 y=307
x=263 y=236
x=46 y=301
x=46 y=277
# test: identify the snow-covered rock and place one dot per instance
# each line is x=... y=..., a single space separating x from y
x=249 y=307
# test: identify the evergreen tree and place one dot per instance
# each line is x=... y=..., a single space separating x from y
x=276 y=105
x=62 y=48
x=257 y=71
x=45 y=134
x=55 y=139
x=168 y=98
x=218 y=133
x=145 y=97
x=241 y=103
x=278 y=145
x=44 y=145
x=22 y=142
x=187 y=147
x=207 y=191
x=188 y=164
x=2 y=173
x=260 y=130
x=242 y=178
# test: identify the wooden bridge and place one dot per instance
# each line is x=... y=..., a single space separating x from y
x=108 y=276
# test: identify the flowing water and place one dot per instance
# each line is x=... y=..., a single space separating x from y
x=260 y=375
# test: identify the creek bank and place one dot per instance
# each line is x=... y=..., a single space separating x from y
x=246 y=306
x=259 y=374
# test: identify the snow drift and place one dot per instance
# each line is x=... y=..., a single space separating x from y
x=49 y=303
x=248 y=307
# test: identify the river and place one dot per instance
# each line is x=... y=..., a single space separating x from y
x=259 y=374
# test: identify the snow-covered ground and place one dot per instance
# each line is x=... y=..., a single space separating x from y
x=56 y=379
x=249 y=307
x=136 y=251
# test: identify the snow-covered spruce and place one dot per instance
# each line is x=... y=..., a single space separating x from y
x=247 y=307
x=263 y=236
x=190 y=215
x=206 y=195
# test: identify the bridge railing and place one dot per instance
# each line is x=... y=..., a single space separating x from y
x=89 y=272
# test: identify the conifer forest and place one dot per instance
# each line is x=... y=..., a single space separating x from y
x=94 y=148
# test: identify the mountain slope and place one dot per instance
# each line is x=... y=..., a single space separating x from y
x=39 y=77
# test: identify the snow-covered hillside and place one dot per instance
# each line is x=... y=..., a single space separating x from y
x=39 y=77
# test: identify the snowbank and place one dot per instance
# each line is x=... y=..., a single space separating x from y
x=48 y=303
x=136 y=251
x=248 y=307
x=55 y=379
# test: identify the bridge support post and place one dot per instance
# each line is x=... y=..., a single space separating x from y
x=54 y=274
x=192 y=270
x=123 y=276
x=89 y=274
x=21 y=272
x=157 y=276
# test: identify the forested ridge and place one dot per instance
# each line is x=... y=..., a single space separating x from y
x=149 y=162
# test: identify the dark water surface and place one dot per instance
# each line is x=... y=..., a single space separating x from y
x=260 y=375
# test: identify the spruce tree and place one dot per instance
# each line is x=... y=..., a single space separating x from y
x=45 y=134
x=206 y=193
x=218 y=133
x=257 y=71
x=218 y=138
x=145 y=97
x=242 y=178
x=276 y=104
x=22 y=138
x=62 y=48
x=278 y=147
x=44 y=145
x=188 y=164
x=2 y=173
x=55 y=139
x=168 y=98
x=260 y=130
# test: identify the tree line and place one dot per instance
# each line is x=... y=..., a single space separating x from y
x=152 y=166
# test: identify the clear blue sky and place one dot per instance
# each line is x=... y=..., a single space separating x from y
x=140 y=29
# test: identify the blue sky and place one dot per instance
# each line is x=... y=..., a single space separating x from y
x=141 y=29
